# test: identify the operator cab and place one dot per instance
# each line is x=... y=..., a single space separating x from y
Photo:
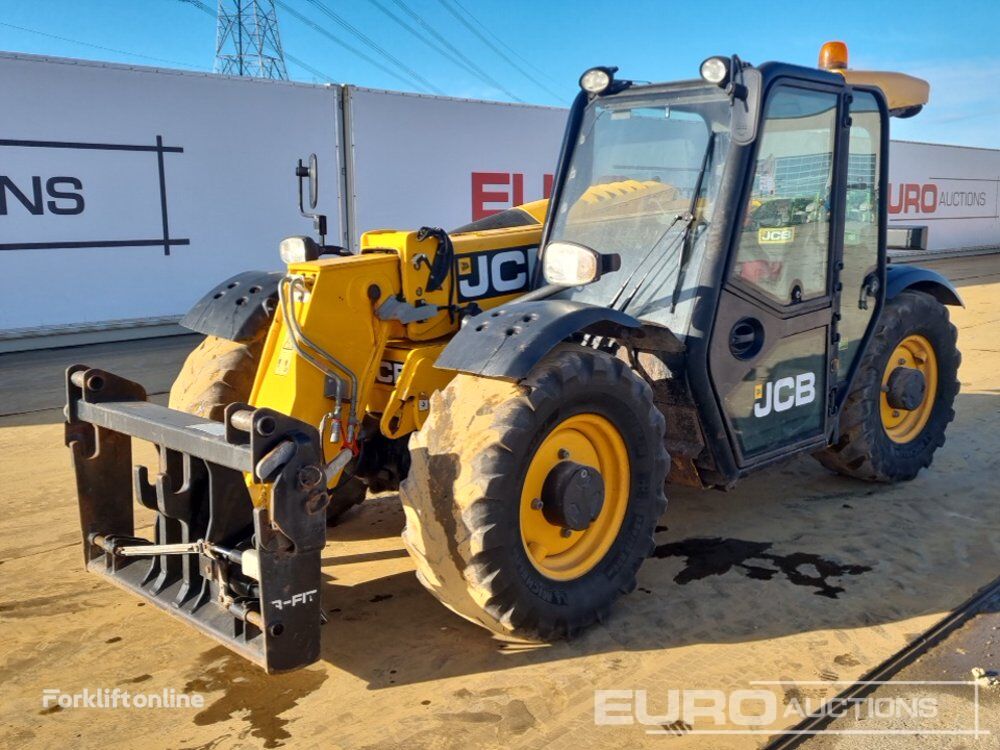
x=746 y=213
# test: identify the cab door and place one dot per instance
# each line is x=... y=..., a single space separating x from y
x=771 y=353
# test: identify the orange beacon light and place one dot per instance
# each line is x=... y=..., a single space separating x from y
x=833 y=56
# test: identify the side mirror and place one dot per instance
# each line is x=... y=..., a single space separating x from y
x=313 y=182
x=571 y=264
x=310 y=173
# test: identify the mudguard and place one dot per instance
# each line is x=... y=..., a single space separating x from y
x=507 y=342
x=899 y=277
x=238 y=308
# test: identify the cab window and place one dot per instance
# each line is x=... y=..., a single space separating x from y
x=785 y=240
x=861 y=226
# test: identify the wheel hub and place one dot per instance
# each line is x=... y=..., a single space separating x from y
x=906 y=388
x=909 y=385
x=572 y=495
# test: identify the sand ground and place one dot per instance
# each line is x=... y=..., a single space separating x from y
x=795 y=575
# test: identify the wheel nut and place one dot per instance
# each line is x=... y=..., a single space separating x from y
x=563 y=454
x=895 y=413
x=566 y=533
x=536 y=504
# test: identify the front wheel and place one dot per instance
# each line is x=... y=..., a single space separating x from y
x=530 y=506
x=895 y=416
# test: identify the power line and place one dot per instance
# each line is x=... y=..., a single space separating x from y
x=308 y=68
x=98 y=46
x=336 y=40
x=506 y=46
x=374 y=46
x=455 y=56
x=461 y=19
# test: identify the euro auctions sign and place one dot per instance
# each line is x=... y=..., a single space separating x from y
x=911 y=198
x=953 y=190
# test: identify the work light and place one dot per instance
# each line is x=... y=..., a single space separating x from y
x=596 y=81
x=716 y=70
x=298 y=250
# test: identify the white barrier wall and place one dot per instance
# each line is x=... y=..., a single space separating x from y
x=125 y=193
x=432 y=161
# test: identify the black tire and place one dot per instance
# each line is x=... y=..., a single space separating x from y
x=865 y=450
x=463 y=493
x=219 y=372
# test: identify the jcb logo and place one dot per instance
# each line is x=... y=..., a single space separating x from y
x=388 y=372
x=493 y=273
x=784 y=393
x=775 y=235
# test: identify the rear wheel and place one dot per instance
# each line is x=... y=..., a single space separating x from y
x=529 y=507
x=902 y=400
x=219 y=372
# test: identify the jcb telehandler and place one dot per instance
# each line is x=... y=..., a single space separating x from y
x=711 y=295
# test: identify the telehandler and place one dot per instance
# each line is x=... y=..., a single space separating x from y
x=706 y=293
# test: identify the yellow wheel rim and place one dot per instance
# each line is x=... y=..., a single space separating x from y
x=587 y=439
x=903 y=425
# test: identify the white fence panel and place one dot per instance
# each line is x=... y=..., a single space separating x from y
x=126 y=193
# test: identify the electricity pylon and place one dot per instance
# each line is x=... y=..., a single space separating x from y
x=247 y=40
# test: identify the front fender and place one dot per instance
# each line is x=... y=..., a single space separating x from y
x=899 y=277
x=507 y=342
x=238 y=308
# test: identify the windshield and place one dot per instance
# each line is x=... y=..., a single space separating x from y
x=629 y=187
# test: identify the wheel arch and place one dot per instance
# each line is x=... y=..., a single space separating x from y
x=507 y=342
x=899 y=278
x=237 y=309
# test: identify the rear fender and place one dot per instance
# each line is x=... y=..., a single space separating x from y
x=899 y=278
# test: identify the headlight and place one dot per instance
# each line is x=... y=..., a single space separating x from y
x=569 y=264
x=597 y=80
x=298 y=250
x=716 y=70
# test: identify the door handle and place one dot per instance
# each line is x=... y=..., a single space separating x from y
x=869 y=288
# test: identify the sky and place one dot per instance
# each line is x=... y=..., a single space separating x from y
x=512 y=50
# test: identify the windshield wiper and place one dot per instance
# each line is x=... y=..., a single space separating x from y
x=688 y=241
x=640 y=264
x=686 y=244
x=688 y=219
